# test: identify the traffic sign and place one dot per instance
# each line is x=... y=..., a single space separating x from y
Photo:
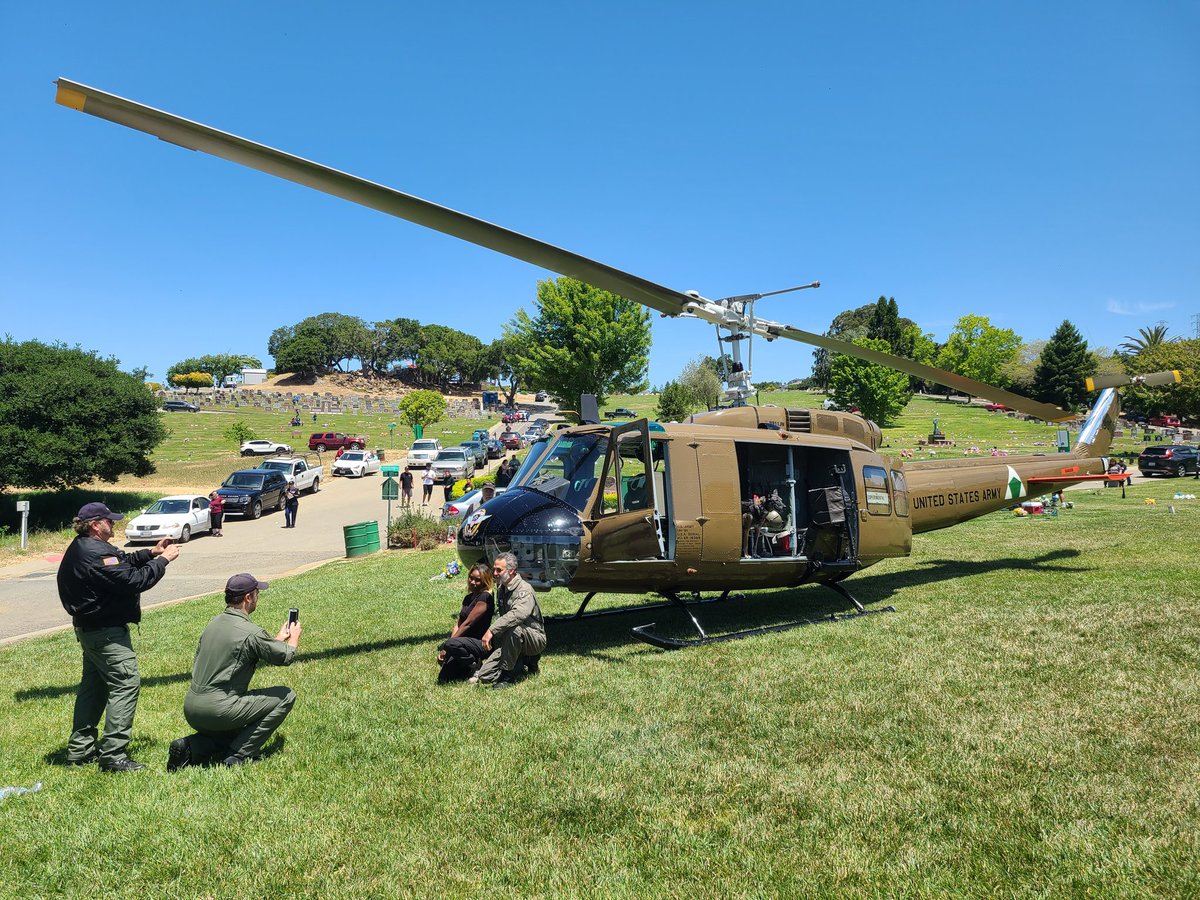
x=391 y=489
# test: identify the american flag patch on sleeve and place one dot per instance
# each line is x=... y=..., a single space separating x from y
x=111 y=561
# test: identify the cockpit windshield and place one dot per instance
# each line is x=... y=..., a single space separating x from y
x=569 y=469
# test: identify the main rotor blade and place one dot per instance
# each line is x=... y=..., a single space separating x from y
x=929 y=373
x=194 y=136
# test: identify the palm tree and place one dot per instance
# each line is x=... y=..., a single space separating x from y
x=1150 y=338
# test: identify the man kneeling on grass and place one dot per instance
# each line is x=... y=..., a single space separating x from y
x=232 y=722
x=517 y=638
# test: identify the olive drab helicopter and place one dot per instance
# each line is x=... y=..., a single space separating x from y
x=740 y=497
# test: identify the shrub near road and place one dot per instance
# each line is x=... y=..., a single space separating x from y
x=1027 y=724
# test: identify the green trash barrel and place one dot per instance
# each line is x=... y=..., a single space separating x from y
x=361 y=538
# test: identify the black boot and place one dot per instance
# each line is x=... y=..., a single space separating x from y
x=531 y=664
x=179 y=754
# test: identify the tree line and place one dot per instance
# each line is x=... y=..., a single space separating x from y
x=1051 y=370
x=578 y=340
x=69 y=416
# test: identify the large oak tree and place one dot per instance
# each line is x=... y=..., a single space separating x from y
x=583 y=341
x=69 y=417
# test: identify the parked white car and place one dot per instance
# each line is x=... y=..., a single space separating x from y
x=357 y=463
x=263 y=448
x=177 y=517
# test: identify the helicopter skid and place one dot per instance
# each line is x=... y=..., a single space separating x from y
x=581 y=613
x=646 y=632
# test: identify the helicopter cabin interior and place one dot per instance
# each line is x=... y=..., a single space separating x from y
x=797 y=501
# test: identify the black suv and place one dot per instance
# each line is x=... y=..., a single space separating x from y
x=179 y=406
x=250 y=491
x=1176 y=459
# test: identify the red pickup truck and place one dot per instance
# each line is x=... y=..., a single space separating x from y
x=335 y=440
x=1165 y=421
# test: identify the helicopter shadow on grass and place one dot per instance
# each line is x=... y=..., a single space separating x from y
x=766 y=608
x=594 y=637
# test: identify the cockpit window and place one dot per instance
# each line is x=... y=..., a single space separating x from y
x=570 y=469
x=627 y=488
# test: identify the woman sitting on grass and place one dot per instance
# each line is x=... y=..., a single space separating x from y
x=461 y=653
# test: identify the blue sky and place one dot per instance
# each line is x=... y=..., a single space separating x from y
x=1030 y=162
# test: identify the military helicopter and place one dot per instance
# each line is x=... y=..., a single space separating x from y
x=735 y=498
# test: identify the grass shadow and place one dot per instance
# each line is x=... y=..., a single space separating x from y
x=766 y=608
x=597 y=636
x=50 y=692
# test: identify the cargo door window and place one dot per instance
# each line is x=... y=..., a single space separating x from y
x=900 y=492
x=875 y=480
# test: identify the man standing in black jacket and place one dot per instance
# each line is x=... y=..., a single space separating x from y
x=101 y=586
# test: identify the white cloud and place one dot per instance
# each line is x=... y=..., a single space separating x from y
x=1135 y=309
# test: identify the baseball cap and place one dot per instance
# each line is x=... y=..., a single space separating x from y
x=244 y=584
x=98 y=510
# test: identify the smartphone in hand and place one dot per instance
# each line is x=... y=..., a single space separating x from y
x=293 y=616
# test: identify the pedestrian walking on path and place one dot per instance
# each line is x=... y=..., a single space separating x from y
x=427 y=485
x=291 y=503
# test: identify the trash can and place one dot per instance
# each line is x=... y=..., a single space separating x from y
x=379 y=453
x=361 y=538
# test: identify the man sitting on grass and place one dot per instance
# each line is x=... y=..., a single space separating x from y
x=232 y=722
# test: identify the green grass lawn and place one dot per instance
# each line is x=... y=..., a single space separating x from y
x=1026 y=724
x=197 y=454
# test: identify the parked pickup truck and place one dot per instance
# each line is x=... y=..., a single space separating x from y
x=1166 y=420
x=620 y=413
x=307 y=476
x=335 y=440
x=250 y=491
x=422 y=451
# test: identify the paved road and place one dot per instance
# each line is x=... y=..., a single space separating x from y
x=29 y=595
x=29 y=602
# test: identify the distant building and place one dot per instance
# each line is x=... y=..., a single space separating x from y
x=246 y=377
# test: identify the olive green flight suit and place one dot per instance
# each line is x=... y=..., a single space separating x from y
x=230 y=719
x=517 y=631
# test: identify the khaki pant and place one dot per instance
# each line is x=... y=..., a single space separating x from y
x=508 y=650
x=109 y=687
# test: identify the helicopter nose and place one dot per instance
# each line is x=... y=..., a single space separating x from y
x=543 y=532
